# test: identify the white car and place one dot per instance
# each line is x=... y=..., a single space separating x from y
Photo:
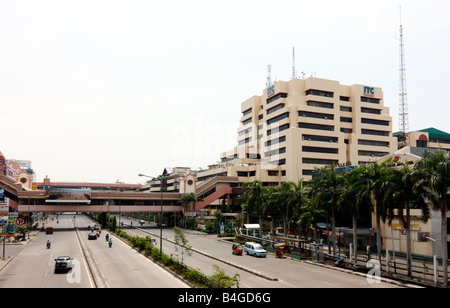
x=255 y=249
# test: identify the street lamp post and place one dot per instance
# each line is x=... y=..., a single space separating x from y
x=161 y=212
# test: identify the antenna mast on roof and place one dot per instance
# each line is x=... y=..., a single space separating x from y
x=269 y=76
x=294 y=73
x=403 y=105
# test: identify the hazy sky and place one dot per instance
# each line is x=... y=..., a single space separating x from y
x=96 y=91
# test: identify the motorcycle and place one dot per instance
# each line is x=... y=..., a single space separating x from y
x=48 y=244
x=110 y=243
x=107 y=237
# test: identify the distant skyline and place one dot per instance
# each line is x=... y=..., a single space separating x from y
x=99 y=91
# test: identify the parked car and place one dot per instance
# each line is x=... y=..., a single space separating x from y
x=255 y=249
x=142 y=222
x=92 y=236
x=63 y=264
x=237 y=249
x=49 y=230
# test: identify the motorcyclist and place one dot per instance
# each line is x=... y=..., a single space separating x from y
x=107 y=237
x=110 y=242
x=48 y=244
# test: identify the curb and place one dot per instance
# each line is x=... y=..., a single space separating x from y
x=9 y=259
x=348 y=271
x=259 y=274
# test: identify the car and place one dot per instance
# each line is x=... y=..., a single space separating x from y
x=255 y=249
x=142 y=222
x=92 y=236
x=49 y=230
x=97 y=227
x=63 y=264
x=237 y=249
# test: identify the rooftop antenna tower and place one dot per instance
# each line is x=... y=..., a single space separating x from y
x=269 y=76
x=294 y=73
x=403 y=104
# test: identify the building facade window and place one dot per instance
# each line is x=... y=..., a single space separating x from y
x=319 y=161
x=373 y=143
x=245 y=122
x=278 y=118
x=370 y=100
x=275 y=152
x=277 y=129
x=319 y=150
x=246 y=140
x=319 y=138
x=245 y=131
x=275 y=97
x=346 y=109
x=316 y=115
x=275 y=108
x=346 y=130
x=319 y=93
x=372 y=153
x=320 y=104
x=275 y=141
x=374 y=122
x=316 y=126
x=248 y=111
x=374 y=132
x=370 y=110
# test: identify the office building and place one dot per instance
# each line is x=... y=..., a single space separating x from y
x=296 y=126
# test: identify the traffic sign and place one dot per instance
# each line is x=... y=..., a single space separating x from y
x=20 y=221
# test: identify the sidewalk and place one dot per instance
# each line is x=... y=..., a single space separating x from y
x=5 y=261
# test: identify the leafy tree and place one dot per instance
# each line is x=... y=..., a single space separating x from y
x=113 y=223
x=182 y=243
x=188 y=201
x=221 y=280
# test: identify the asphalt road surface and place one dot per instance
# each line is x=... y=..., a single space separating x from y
x=269 y=272
x=32 y=265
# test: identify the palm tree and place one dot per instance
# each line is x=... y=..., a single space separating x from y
x=328 y=185
x=271 y=204
x=253 y=198
x=351 y=198
x=404 y=192
x=309 y=212
x=295 y=197
x=374 y=177
x=434 y=169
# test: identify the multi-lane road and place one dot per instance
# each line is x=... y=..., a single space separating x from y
x=97 y=265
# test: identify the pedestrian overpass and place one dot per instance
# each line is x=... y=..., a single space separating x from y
x=117 y=201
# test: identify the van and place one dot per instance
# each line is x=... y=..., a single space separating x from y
x=255 y=249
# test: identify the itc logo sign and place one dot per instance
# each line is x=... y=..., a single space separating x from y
x=369 y=91
x=270 y=91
